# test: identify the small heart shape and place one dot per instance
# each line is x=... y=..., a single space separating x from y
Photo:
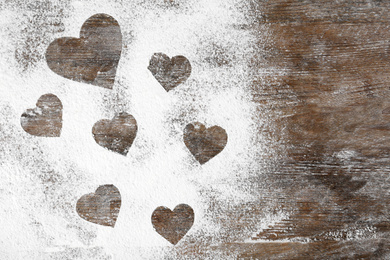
x=101 y=207
x=169 y=72
x=204 y=143
x=173 y=225
x=45 y=119
x=117 y=134
x=92 y=58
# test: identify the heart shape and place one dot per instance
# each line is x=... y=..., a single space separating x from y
x=117 y=134
x=101 y=207
x=169 y=72
x=204 y=143
x=173 y=225
x=45 y=119
x=92 y=58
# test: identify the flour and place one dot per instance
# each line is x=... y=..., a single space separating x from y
x=158 y=170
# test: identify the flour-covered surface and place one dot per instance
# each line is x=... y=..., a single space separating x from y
x=300 y=87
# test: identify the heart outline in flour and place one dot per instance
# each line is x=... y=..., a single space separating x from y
x=169 y=72
x=173 y=225
x=204 y=143
x=93 y=58
x=101 y=207
x=45 y=120
x=117 y=134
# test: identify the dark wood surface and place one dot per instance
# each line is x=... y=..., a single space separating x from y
x=169 y=72
x=173 y=225
x=117 y=134
x=327 y=102
x=204 y=143
x=45 y=119
x=320 y=76
x=93 y=58
x=101 y=207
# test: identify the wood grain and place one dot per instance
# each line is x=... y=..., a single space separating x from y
x=320 y=76
x=101 y=207
x=204 y=143
x=329 y=125
x=170 y=72
x=45 y=119
x=92 y=58
x=173 y=225
x=117 y=134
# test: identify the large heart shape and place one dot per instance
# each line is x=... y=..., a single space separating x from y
x=169 y=72
x=101 y=207
x=45 y=119
x=173 y=225
x=117 y=134
x=92 y=58
x=204 y=143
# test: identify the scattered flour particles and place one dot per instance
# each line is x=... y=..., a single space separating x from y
x=42 y=178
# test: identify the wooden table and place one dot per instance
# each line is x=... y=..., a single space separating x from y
x=327 y=101
x=320 y=78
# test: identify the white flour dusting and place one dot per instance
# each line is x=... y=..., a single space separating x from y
x=158 y=170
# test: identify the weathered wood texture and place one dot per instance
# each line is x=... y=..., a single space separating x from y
x=117 y=134
x=204 y=143
x=321 y=78
x=92 y=58
x=169 y=72
x=328 y=108
x=45 y=119
x=101 y=207
x=173 y=225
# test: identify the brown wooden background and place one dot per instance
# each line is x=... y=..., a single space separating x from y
x=330 y=110
x=328 y=104
x=326 y=99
